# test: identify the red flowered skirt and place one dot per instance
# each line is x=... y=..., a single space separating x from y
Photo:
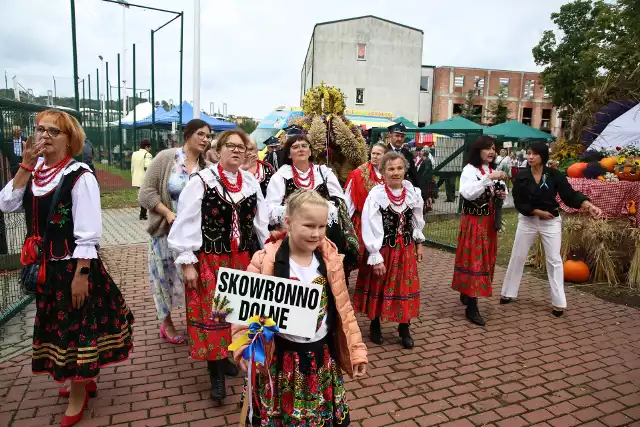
x=475 y=256
x=394 y=297
x=356 y=220
x=73 y=344
x=209 y=339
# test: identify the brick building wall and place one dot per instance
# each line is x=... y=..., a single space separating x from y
x=525 y=97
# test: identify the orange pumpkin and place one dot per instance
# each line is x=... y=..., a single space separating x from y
x=576 y=170
x=628 y=172
x=576 y=271
x=609 y=163
x=631 y=207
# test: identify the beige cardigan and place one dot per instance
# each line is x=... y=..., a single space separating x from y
x=155 y=190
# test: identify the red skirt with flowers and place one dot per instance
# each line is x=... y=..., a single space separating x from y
x=73 y=344
x=209 y=339
x=308 y=388
x=475 y=256
x=356 y=220
x=395 y=297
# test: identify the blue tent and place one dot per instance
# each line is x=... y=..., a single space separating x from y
x=167 y=117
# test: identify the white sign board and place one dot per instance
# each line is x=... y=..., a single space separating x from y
x=507 y=144
x=292 y=304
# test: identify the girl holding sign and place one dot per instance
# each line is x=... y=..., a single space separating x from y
x=388 y=287
x=306 y=373
x=220 y=213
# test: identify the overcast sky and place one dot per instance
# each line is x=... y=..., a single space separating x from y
x=252 y=50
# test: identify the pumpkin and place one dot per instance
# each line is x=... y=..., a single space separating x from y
x=628 y=172
x=631 y=207
x=602 y=178
x=609 y=163
x=576 y=271
x=576 y=170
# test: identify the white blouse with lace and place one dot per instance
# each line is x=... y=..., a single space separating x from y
x=474 y=183
x=185 y=236
x=347 y=194
x=86 y=211
x=277 y=189
x=372 y=227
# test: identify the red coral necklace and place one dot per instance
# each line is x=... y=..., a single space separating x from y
x=42 y=176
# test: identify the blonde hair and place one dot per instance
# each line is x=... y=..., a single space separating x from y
x=301 y=197
x=67 y=124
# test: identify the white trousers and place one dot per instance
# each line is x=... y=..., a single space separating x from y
x=550 y=231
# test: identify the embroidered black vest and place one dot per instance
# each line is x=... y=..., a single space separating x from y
x=290 y=187
x=268 y=173
x=62 y=242
x=217 y=221
x=391 y=226
x=478 y=207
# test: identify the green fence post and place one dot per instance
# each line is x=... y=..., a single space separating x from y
x=75 y=54
x=108 y=118
x=100 y=112
x=153 y=98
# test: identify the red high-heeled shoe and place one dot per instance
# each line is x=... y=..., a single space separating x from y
x=68 y=421
x=178 y=339
x=91 y=387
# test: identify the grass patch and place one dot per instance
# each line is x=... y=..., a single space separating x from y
x=127 y=198
x=115 y=170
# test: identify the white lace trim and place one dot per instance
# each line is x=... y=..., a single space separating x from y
x=375 y=259
x=413 y=199
x=186 y=258
x=333 y=214
x=250 y=185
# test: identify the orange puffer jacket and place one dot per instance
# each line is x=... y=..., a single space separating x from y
x=351 y=351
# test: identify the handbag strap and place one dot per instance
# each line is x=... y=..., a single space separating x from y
x=54 y=202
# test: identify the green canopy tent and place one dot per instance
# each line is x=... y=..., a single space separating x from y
x=408 y=123
x=454 y=123
x=513 y=130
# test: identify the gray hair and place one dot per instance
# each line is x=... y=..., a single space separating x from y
x=392 y=155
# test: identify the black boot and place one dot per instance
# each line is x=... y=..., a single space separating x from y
x=143 y=213
x=405 y=335
x=472 y=312
x=375 y=333
x=464 y=299
x=230 y=369
x=216 y=376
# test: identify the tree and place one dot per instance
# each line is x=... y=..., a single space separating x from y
x=499 y=111
x=248 y=125
x=469 y=110
x=594 y=39
x=166 y=105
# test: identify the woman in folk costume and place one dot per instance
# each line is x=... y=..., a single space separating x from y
x=82 y=322
x=262 y=170
x=305 y=386
x=359 y=183
x=299 y=172
x=388 y=287
x=534 y=195
x=220 y=212
x=480 y=185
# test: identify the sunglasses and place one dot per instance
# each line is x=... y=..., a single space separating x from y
x=53 y=132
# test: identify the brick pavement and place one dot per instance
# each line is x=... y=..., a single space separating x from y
x=525 y=368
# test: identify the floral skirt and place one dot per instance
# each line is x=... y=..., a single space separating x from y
x=70 y=344
x=356 y=220
x=394 y=297
x=165 y=277
x=476 y=256
x=308 y=389
x=209 y=339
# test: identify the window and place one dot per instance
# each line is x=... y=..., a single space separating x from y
x=359 y=96
x=424 y=83
x=527 y=113
x=479 y=85
x=459 y=81
x=528 y=88
x=546 y=94
x=457 y=108
x=546 y=119
x=362 y=52
x=504 y=85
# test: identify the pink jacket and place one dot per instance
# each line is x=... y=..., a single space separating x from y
x=351 y=350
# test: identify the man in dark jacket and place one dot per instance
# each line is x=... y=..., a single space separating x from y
x=274 y=154
x=396 y=132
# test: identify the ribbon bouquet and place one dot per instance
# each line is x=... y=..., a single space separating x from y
x=260 y=332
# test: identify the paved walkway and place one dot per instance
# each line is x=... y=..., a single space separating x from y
x=525 y=368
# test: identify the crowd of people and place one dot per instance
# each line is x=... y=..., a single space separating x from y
x=210 y=206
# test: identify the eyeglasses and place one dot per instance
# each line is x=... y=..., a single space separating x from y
x=299 y=146
x=234 y=147
x=53 y=132
x=203 y=135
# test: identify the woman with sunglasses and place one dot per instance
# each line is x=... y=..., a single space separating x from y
x=298 y=172
x=221 y=212
x=534 y=196
x=82 y=322
x=165 y=179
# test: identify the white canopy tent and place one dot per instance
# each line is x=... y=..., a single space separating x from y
x=143 y=111
x=622 y=132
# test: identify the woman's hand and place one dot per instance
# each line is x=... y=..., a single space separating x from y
x=379 y=269
x=360 y=370
x=498 y=176
x=594 y=211
x=501 y=194
x=190 y=276
x=419 y=252
x=31 y=151
x=170 y=217
x=542 y=214
x=79 y=289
